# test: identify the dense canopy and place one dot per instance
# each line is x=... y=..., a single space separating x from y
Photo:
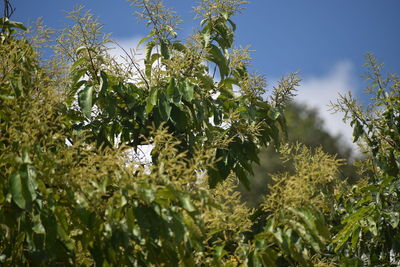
x=75 y=191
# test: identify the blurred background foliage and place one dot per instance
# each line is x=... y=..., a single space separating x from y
x=304 y=126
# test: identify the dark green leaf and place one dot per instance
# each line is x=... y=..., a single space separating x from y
x=85 y=101
x=232 y=24
x=241 y=174
x=151 y=100
x=357 y=131
x=187 y=90
x=149 y=64
x=164 y=107
x=218 y=58
x=103 y=82
x=23 y=186
x=274 y=114
x=17 y=190
x=164 y=50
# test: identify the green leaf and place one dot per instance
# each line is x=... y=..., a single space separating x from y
x=25 y=156
x=226 y=88
x=357 y=131
x=232 y=24
x=28 y=174
x=151 y=100
x=274 y=114
x=13 y=24
x=179 y=118
x=103 y=82
x=85 y=100
x=219 y=253
x=241 y=174
x=77 y=74
x=171 y=31
x=225 y=14
x=225 y=35
x=164 y=50
x=149 y=64
x=228 y=82
x=206 y=34
x=78 y=63
x=305 y=235
x=149 y=47
x=310 y=221
x=17 y=190
x=23 y=186
x=171 y=88
x=164 y=107
x=178 y=46
x=354 y=238
x=80 y=49
x=187 y=90
x=144 y=39
x=187 y=203
x=218 y=58
x=342 y=237
x=351 y=262
x=217 y=115
x=394 y=219
x=38 y=228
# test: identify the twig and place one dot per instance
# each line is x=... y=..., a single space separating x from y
x=134 y=65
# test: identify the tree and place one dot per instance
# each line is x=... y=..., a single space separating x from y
x=177 y=90
x=306 y=127
x=71 y=195
x=68 y=193
x=369 y=214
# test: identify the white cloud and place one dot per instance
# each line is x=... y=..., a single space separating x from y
x=319 y=91
x=125 y=44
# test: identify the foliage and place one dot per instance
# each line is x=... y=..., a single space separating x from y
x=370 y=211
x=72 y=194
x=77 y=204
x=312 y=183
x=177 y=89
x=304 y=126
x=227 y=226
x=69 y=194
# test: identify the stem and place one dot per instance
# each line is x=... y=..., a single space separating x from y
x=134 y=65
x=8 y=9
x=87 y=43
x=149 y=14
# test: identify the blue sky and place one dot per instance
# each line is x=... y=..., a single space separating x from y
x=288 y=35
x=325 y=40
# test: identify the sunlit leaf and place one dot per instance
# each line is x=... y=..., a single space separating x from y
x=85 y=100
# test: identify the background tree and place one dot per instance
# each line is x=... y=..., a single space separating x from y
x=306 y=127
